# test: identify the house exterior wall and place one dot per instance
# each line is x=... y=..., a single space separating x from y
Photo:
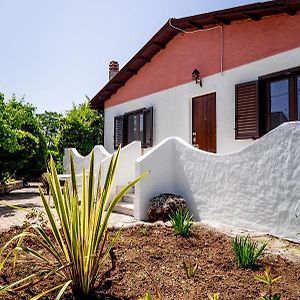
x=172 y=114
x=244 y=42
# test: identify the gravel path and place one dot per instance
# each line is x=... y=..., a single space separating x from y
x=29 y=198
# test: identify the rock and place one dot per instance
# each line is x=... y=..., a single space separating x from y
x=45 y=183
x=163 y=205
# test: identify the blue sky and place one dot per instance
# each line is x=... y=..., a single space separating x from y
x=56 y=52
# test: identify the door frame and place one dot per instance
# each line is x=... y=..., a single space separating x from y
x=191 y=116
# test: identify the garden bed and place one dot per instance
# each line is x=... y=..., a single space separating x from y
x=161 y=253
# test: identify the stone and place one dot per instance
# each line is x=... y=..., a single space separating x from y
x=163 y=205
x=45 y=183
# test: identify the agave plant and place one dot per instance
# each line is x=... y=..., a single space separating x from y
x=80 y=247
x=181 y=221
x=269 y=280
x=247 y=251
x=214 y=296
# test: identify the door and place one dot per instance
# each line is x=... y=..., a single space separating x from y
x=204 y=122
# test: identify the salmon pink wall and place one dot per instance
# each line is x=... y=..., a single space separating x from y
x=244 y=42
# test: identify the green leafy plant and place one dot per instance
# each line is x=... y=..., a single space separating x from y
x=190 y=270
x=182 y=222
x=144 y=230
x=214 y=296
x=246 y=251
x=148 y=296
x=80 y=247
x=269 y=280
x=23 y=150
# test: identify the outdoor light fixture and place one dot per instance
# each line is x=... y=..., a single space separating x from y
x=196 y=77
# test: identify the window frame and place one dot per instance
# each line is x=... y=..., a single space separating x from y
x=125 y=116
x=265 y=83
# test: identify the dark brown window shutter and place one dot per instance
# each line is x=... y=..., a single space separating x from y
x=118 y=131
x=246 y=111
x=148 y=127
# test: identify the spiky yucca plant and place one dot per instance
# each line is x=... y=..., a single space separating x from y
x=78 y=251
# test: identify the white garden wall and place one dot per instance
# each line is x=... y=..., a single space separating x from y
x=126 y=167
x=125 y=172
x=172 y=107
x=257 y=188
x=83 y=162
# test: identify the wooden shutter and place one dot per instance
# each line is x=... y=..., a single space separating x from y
x=118 y=131
x=148 y=127
x=246 y=111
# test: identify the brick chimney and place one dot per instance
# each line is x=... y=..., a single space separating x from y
x=113 y=69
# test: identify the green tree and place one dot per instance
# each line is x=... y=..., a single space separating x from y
x=22 y=143
x=81 y=128
x=51 y=124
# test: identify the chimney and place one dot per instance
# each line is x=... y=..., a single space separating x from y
x=113 y=69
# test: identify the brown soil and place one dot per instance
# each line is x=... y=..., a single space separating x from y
x=161 y=253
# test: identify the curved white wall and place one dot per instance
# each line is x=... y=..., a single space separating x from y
x=125 y=172
x=83 y=162
x=257 y=188
x=172 y=107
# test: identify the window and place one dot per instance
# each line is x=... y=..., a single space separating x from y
x=134 y=126
x=266 y=103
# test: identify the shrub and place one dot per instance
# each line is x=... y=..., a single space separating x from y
x=269 y=280
x=214 y=296
x=148 y=296
x=81 y=128
x=190 y=270
x=182 y=222
x=23 y=150
x=246 y=251
x=80 y=246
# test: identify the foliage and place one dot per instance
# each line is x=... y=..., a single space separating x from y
x=214 y=296
x=80 y=246
x=182 y=222
x=81 y=128
x=246 y=251
x=23 y=146
x=269 y=280
x=148 y=296
x=190 y=270
x=144 y=230
x=51 y=124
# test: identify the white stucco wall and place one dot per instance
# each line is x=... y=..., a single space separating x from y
x=172 y=107
x=125 y=170
x=83 y=162
x=256 y=188
x=126 y=166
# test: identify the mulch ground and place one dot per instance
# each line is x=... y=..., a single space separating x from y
x=160 y=252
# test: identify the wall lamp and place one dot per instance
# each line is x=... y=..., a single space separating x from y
x=196 y=77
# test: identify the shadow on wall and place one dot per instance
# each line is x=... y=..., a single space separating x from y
x=257 y=188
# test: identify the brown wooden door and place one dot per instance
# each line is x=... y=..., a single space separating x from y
x=204 y=122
